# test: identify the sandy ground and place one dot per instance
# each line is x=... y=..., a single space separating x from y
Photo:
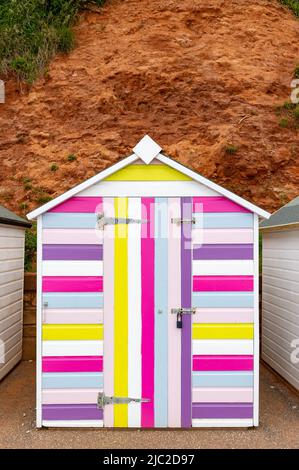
x=279 y=423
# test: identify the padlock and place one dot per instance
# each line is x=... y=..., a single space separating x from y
x=179 y=321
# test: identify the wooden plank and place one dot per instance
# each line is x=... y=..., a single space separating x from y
x=73 y=300
x=71 y=348
x=78 y=236
x=174 y=300
x=223 y=251
x=208 y=220
x=70 y=380
x=134 y=312
x=222 y=410
x=222 y=283
x=72 y=268
x=108 y=257
x=222 y=331
x=69 y=396
x=71 y=412
x=72 y=364
x=223 y=315
x=148 y=173
x=222 y=379
x=72 y=332
x=222 y=346
x=222 y=394
x=217 y=236
x=216 y=204
x=73 y=252
x=79 y=204
x=161 y=312
x=147 y=311
x=221 y=267
x=73 y=315
x=222 y=299
x=223 y=362
x=72 y=284
x=121 y=312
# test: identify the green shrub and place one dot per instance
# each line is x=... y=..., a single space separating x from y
x=284 y=122
x=54 y=167
x=231 y=149
x=30 y=247
x=296 y=72
x=292 y=4
x=71 y=158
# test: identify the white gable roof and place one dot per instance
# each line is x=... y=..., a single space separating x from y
x=146 y=150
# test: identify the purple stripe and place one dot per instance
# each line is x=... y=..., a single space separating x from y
x=223 y=251
x=68 y=412
x=73 y=252
x=222 y=410
x=186 y=288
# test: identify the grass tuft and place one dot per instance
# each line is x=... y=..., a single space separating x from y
x=292 y=4
x=231 y=149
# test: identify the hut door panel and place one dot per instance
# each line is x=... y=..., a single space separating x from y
x=147 y=272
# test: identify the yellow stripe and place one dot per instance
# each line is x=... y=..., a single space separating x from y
x=72 y=332
x=121 y=312
x=148 y=173
x=222 y=331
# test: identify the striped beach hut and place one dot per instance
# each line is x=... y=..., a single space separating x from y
x=147 y=300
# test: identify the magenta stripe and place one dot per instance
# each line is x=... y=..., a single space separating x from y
x=71 y=412
x=186 y=287
x=73 y=252
x=72 y=364
x=222 y=410
x=222 y=283
x=79 y=204
x=72 y=284
x=147 y=310
x=222 y=363
x=224 y=251
x=216 y=204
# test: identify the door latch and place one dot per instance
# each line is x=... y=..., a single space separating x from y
x=102 y=221
x=103 y=400
x=180 y=221
x=179 y=312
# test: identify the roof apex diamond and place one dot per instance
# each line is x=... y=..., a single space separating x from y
x=147 y=149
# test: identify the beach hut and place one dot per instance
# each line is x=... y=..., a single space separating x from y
x=147 y=307
x=280 y=312
x=12 y=243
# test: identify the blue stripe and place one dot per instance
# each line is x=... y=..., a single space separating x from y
x=222 y=299
x=161 y=312
x=69 y=220
x=222 y=379
x=73 y=380
x=73 y=299
x=223 y=220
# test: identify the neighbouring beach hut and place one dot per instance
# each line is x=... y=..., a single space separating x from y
x=12 y=243
x=280 y=312
x=147 y=307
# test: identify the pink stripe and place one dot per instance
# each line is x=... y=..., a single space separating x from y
x=80 y=204
x=72 y=315
x=222 y=363
x=72 y=364
x=222 y=395
x=222 y=283
x=65 y=236
x=223 y=315
x=147 y=311
x=72 y=284
x=70 y=396
x=216 y=204
x=174 y=333
x=217 y=236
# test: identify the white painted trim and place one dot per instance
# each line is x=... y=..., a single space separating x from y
x=39 y=323
x=219 y=189
x=222 y=423
x=89 y=423
x=256 y=341
x=148 y=189
x=147 y=149
x=80 y=187
x=132 y=158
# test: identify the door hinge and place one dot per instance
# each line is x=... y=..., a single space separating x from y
x=102 y=221
x=103 y=400
x=180 y=221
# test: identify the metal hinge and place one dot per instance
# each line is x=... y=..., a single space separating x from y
x=103 y=400
x=102 y=221
x=180 y=221
x=183 y=311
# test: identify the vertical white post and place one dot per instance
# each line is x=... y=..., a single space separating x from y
x=256 y=362
x=39 y=323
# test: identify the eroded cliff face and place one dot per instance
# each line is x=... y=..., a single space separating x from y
x=197 y=76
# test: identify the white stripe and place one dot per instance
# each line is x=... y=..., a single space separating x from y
x=72 y=268
x=222 y=346
x=148 y=188
x=256 y=359
x=222 y=423
x=134 y=314
x=88 y=423
x=223 y=268
x=39 y=320
x=72 y=348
